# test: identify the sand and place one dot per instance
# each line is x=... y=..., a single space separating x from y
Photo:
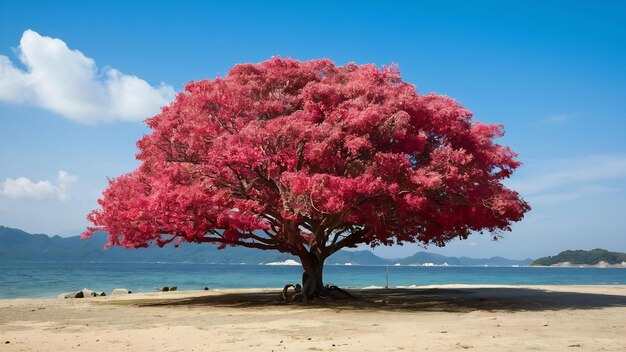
x=436 y=318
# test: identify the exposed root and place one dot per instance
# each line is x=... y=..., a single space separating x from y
x=283 y=294
x=326 y=292
x=334 y=290
x=299 y=297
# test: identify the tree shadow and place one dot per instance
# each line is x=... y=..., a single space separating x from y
x=426 y=300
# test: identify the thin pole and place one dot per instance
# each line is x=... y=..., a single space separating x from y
x=387 y=275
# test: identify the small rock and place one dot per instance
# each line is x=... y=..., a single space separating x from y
x=206 y=288
x=7 y=342
x=77 y=294
x=88 y=293
x=173 y=288
x=575 y=345
x=165 y=289
x=119 y=291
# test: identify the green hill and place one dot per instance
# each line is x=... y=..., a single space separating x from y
x=580 y=257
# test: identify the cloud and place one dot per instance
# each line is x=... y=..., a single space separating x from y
x=67 y=82
x=560 y=173
x=556 y=119
x=25 y=188
x=557 y=181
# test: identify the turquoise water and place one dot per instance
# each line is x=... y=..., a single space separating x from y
x=50 y=279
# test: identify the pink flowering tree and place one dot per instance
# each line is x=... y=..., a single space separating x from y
x=308 y=158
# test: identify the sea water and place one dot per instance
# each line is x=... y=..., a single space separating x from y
x=19 y=280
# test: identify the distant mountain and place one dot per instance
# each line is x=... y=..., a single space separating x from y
x=581 y=257
x=20 y=246
x=437 y=259
x=17 y=245
x=357 y=257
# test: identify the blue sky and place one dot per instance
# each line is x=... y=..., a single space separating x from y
x=552 y=72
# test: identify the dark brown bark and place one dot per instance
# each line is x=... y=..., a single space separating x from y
x=313 y=275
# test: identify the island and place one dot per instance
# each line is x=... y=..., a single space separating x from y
x=596 y=257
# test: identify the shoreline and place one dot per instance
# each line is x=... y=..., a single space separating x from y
x=601 y=265
x=55 y=296
x=435 y=317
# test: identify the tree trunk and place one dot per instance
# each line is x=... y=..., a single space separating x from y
x=313 y=276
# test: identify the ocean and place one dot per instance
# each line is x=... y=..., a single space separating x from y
x=30 y=280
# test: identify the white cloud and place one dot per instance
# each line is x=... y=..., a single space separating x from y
x=25 y=188
x=559 y=173
x=67 y=82
x=558 y=181
x=556 y=119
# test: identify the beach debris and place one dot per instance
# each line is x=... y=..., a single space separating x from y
x=119 y=292
x=575 y=345
x=7 y=342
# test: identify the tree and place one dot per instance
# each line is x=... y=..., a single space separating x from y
x=308 y=158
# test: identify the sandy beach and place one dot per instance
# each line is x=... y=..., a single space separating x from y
x=431 y=318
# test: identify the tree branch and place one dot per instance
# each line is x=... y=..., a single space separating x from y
x=300 y=155
x=349 y=241
x=243 y=243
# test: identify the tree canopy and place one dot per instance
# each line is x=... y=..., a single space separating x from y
x=308 y=158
